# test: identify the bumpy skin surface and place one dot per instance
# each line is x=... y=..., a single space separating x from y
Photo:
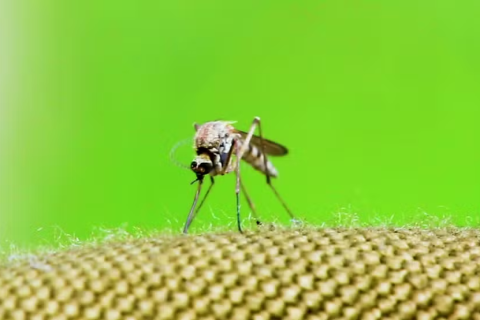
x=284 y=274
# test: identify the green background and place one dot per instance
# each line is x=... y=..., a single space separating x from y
x=377 y=101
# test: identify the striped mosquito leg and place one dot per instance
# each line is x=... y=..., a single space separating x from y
x=256 y=122
x=212 y=181
x=237 y=189
x=246 y=143
x=226 y=164
x=250 y=204
x=191 y=213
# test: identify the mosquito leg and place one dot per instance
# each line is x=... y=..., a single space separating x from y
x=226 y=164
x=250 y=203
x=191 y=213
x=256 y=122
x=239 y=184
x=212 y=181
x=237 y=190
x=292 y=216
x=246 y=142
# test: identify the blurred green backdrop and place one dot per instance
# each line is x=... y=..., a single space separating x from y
x=378 y=102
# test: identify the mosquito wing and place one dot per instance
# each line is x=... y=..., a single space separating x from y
x=270 y=147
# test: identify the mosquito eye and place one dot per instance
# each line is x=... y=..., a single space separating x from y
x=193 y=165
x=206 y=167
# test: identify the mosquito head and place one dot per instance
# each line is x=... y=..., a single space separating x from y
x=201 y=165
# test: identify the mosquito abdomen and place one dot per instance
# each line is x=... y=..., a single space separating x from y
x=255 y=158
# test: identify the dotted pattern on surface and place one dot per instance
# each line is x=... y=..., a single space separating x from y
x=283 y=274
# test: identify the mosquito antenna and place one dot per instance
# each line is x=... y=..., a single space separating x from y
x=174 y=149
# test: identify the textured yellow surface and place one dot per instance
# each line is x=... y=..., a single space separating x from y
x=356 y=273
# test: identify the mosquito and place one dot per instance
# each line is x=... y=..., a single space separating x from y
x=215 y=142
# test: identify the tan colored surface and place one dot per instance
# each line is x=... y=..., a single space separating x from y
x=303 y=274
